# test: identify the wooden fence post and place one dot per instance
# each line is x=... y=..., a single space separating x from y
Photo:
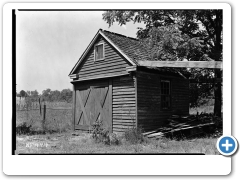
x=44 y=116
x=40 y=108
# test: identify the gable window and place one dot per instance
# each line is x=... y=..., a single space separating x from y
x=165 y=94
x=99 y=52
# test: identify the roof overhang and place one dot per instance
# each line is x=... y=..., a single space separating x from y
x=183 y=64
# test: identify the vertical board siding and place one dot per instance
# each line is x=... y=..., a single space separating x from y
x=150 y=114
x=124 y=104
x=93 y=100
x=113 y=63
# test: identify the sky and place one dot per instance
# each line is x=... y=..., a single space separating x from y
x=49 y=44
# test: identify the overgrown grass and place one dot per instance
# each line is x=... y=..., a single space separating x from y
x=202 y=109
x=134 y=136
x=56 y=120
x=83 y=143
x=57 y=138
x=103 y=135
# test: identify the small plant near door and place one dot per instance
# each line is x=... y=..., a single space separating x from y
x=101 y=134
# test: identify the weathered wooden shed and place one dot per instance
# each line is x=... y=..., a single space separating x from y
x=109 y=84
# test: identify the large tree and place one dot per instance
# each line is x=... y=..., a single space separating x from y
x=34 y=95
x=55 y=95
x=177 y=35
x=46 y=94
x=23 y=93
x=66 y=95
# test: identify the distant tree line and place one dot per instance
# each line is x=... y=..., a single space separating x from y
x=199 y=93
x=48 y=95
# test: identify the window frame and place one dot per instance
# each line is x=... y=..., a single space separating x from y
x=98 y=44
x=169 y=95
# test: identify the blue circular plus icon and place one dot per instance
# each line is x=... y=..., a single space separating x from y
x=227 y=145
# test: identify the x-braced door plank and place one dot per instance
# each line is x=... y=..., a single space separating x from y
x=100 y=107
x=82 y=106
x=89 y=91
x=102 y=112
x=104 y=98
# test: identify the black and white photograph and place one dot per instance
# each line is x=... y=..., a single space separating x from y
x=118 y=89
x=119 y=81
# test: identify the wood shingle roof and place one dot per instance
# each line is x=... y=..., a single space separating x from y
x=130 y=46
x=132 y=49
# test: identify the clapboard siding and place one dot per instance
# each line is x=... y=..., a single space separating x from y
x=149 y=112
x=180 y=96
x=124 y=103
x=133 y=98
x=148 y=100
x=114 y=63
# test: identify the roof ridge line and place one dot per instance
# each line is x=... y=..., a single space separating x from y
x=120 y=35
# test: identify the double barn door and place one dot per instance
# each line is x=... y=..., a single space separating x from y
x=93 y=101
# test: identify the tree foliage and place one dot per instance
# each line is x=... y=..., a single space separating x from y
x=35 y=94
x=66 y=95
x=200 y=94
x=48 y=95
x=52 y=96
x=192 y=34
x=22 y=93
x=170 y=35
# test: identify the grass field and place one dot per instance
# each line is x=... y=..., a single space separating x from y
x=83 y=144
x=60 y=139
x=202 y=109
x=58 y=120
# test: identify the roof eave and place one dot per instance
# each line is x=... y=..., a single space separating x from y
x=85 y=52
x=118 y=49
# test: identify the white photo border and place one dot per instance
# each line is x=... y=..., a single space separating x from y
x=112 y=164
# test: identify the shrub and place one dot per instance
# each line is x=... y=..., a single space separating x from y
x=23 y=128
x=98 y=131
x=113 y=139
x=134 y=135
x=100 y=134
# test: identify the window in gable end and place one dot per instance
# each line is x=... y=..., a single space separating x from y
x=99 y=52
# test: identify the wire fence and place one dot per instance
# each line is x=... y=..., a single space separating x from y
x=28 y=106
x=53 y=116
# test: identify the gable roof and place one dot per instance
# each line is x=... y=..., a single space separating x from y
x=129 y=47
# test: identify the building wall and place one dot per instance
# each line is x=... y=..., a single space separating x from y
x=113 y=64
x=149 y=112
x=146 y=103
x=124 y=103
x=180 y=96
